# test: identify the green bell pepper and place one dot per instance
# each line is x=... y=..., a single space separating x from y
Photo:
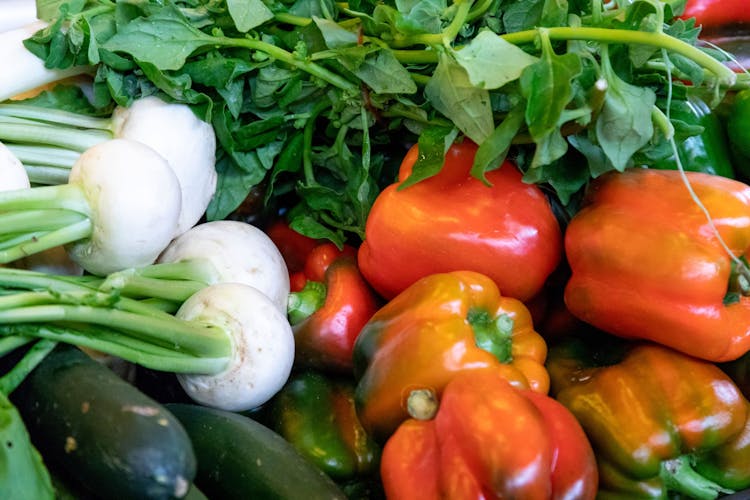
x=316 y=414
x=738 y=129
x=707 y=151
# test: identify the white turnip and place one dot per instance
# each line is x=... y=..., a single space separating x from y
x=119 y=210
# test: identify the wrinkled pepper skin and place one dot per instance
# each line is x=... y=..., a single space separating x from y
x=490 y=440
x=651 y=409
x=325 y=338
x=316 y=414
x=432 y=331
x=645 y=262
x=452 y=221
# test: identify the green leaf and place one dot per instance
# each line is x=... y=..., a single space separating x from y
x=23 y=475
x=624 y=124
x=248 y=14
x=547 y=86
x=164 y=40
x=522 y=15
x=334 y=35
x=479 y=59
x=432 y=144
x=492 y=152
x=232 y=187
x=567 y=176
x=420 y=16
x=450 y=91
x=597 y=160
x=383 y=73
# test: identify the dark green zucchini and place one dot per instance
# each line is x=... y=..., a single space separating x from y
x=102 y=431
x=239 y=458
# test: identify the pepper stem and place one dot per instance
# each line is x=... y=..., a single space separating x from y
x=422 y=404
x=494 y=335
x=304 y=303
x=678 y=475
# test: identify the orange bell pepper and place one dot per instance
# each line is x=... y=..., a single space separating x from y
x=442 y=325
x=659 y=421
x=489 y=440
x=452 y=221
x=646 y=263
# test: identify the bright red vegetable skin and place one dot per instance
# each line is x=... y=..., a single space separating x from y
x=717 y=13
x=490 y=440
x=325 y=339
x=452 y=221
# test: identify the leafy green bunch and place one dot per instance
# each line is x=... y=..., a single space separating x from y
x=315 y=102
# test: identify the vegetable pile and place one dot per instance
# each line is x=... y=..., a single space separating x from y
x=375 y=249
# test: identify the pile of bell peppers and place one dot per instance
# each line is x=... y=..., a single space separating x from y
x=473 y=346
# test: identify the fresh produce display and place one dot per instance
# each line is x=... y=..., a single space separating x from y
x=374 y=249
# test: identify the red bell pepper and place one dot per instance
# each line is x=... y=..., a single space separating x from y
x=712 y=14
x=453 y=221
x=294 y=247
x=331 y=304
x=646 y=262
x=487 y=440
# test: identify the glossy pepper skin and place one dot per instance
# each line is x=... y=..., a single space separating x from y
x=452 y=221
x=659 y=421
x=316 y=414
x=490 y=440
x=709 y=151
x=645 y=262
x=335 y=302
x=714 y=14
x=440 y=326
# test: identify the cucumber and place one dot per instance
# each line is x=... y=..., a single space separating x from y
x=103 y=432
x=239 y=458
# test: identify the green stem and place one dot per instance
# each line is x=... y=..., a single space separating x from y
x=192 y=337
x=68 y=196
x=55 y=116
x=678 y=475
x=11 y=130
x=605 y=35
x=452 y=30
x=11 y=343
x=307 y=163
x=46 y=175
x=618 y=36
x=44 y=155
x=38 y=220
x=287 y=57
x=115 y=344
x=26 y=365
x=69 y=234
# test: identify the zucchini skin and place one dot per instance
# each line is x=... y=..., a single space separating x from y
x=239 y=458
x=102 y=431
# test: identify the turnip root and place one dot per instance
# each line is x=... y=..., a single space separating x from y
x=119 y=210
x=12 y=173
x=239 y=253
x=262 y=347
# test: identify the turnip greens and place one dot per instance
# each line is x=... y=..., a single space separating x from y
x=314 y=101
